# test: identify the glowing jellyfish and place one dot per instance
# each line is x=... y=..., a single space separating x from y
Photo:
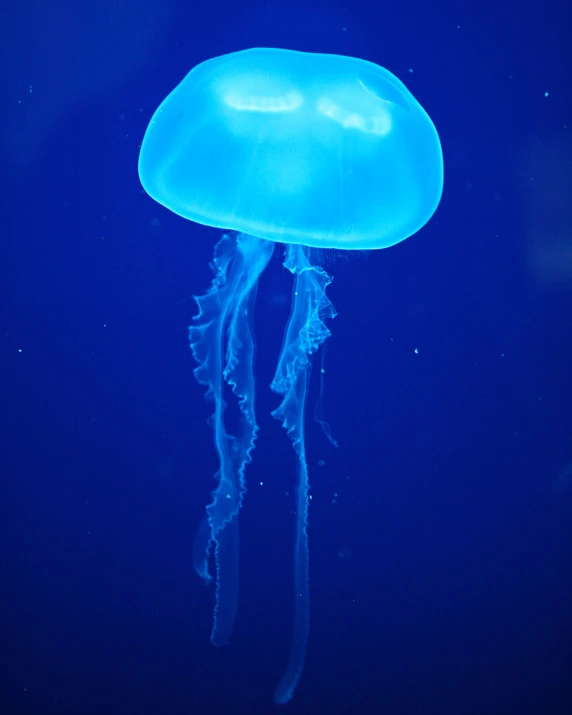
x=308 y=150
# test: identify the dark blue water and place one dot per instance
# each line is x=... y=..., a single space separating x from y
x=440 y=528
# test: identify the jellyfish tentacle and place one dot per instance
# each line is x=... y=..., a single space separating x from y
x=319 y=406
x=289 y=680
x=222 y=343
x=305 y=332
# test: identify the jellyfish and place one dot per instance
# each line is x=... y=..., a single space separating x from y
x=311 y=151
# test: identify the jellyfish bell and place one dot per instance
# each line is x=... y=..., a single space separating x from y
x=309 y=150
x=320 y=150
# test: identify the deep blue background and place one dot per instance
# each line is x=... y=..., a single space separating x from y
x=440 y=572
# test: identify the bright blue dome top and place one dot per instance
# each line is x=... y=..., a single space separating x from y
x=321 y=150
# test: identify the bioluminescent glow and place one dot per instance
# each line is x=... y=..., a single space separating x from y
x=309 y=150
